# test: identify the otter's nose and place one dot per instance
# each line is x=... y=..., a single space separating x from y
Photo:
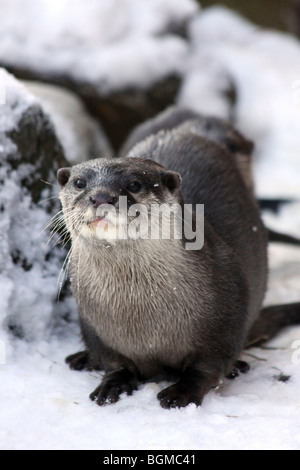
x=99 y=199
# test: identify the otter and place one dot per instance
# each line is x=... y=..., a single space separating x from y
x=217 y=130
x=210 y=127
x=150 y=307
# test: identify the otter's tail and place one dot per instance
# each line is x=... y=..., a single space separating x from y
x=271 y=321
x=282 y=238
x=273 y=205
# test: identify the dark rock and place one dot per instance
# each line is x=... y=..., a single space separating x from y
x=293 y=17
x=118 y=111
x=283 y=378
x=125 y=70
x=81 y=136
x=121 y=111
x=36 y=145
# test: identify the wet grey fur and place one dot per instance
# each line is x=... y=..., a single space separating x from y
x=212 y=128
x=151 y=306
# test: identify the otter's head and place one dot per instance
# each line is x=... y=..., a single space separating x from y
x=100 y=198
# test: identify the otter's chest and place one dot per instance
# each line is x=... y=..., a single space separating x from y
x=142 y=310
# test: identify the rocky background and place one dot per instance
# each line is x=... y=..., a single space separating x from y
x=276 y=14
x=75 y=78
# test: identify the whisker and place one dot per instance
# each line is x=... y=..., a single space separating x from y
x=57 y=216
x=60 y=222
x=62 y=274
x=61 y=229
x=48 y=199
x=64 y=239
x=50 y=184
x=51 y=221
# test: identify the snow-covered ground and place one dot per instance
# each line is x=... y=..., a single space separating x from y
x=44 y=405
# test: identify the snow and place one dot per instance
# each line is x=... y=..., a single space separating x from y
x=204 y=87
x=44 y=405
x=265 y=68
x=253 y=412
x=110 y=43
x=80 y=135
x=13 y=96
x=108 y=20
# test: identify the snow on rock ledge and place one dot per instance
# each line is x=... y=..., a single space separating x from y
x=91 y=40
x=125 y=58
x=82 y=138
x=29 y=152
x=264 y=66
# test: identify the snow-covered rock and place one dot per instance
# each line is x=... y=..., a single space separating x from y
x=81 y=136
x=264 y=67
x=30 y=150
x=30 y=154
x=122 y=57
x=111 y=44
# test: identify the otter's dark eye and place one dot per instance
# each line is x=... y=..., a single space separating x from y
x=80 y=184
x=134 y=187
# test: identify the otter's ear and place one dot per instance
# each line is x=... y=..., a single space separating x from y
x=240 y=144
x=63 y=176
x=171 y=180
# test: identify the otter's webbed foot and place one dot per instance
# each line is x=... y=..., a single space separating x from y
x=239 y=367
x=191 y=388
x=113 y=385
x=178 y=396
x=80 y=361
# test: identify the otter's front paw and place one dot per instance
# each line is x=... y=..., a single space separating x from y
x=178 y=396
x=113 y=385
x=79 y=361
